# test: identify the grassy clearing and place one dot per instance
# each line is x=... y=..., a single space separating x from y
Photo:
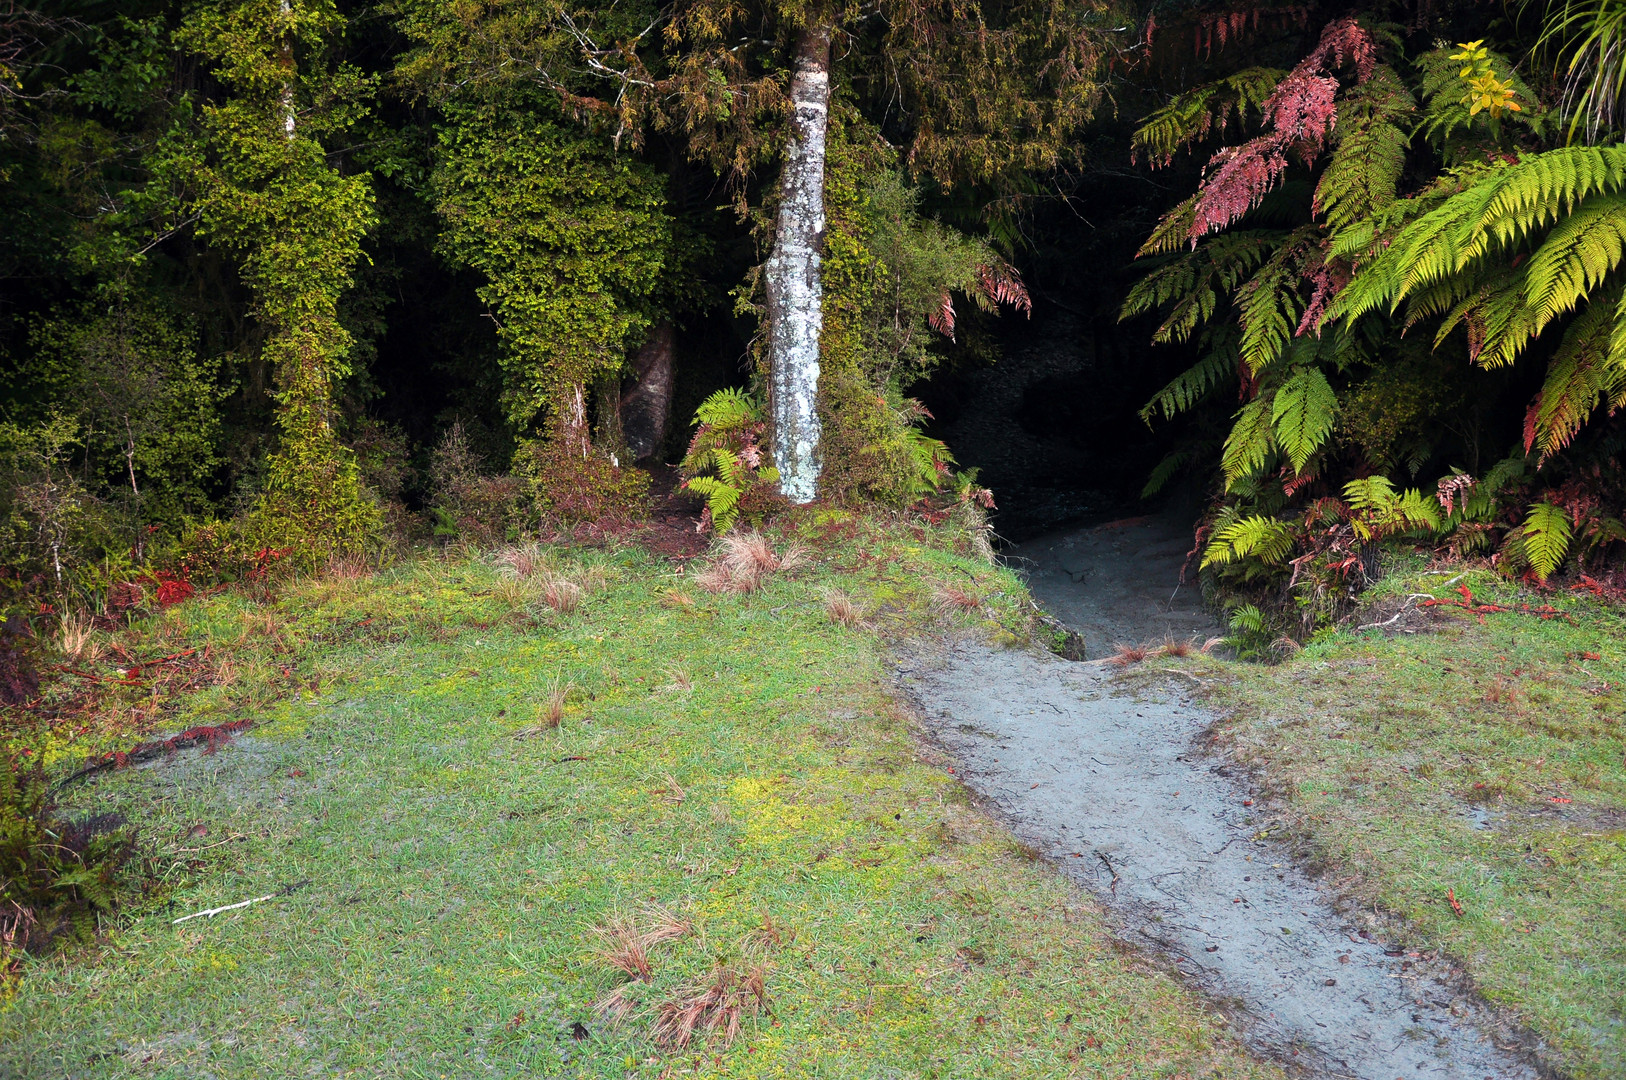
x=588 y=831
x=1482 y=760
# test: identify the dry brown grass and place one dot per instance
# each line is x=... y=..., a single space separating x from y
x=677 y=598
x=681 y=682
x=672 y=791
x=625 y=945
x=622 y=946
x=953 y=600
x=741 y=562
x=550 y=712
x=842 y=610
x=512 y=592
x=1124 y=654
x=561 y=594
x=347 y=568
x=714 y=1006
x=77 y=636
x=522 y=561
x=1173 y=646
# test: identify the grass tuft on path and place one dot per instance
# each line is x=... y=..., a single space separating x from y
x=516 y=828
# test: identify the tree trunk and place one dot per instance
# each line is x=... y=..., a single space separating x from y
x=794 y=287
x=646 y=409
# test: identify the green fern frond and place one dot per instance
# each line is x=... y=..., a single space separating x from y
x=1163 y=472
x=1302 y=415
x=1173 y=232
x=1370 y=493
x=1502 y=207
x=1546 y=535
x=727 y=408
x=1249 y=445
x=1262 y=538
x=1191 y=116
x=1364 y=170
x=1583 y=249
x=1193 y=283
x=1268 y=304
x=1188 y=387
x=1582 y=374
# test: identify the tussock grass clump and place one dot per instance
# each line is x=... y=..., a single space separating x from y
x=741 y=562
x=625 y=946
x=842 y=610
x=716 y=1005
x=952 y=599
x=562 y=595
x=1124 y=654
x=77 y=636
x=550 y=712
x=1176 y=647
x=521 y=561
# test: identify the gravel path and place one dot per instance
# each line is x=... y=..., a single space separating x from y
x=1119 y=792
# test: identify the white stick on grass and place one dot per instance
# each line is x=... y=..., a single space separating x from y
x=212 y=912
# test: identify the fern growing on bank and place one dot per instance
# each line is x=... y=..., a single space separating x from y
x=726 y=461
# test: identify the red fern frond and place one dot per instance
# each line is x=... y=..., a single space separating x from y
x=1003 y=285
x=1299 y=117
x=942 y=320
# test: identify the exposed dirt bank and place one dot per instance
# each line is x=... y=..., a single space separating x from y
x=1120 y=792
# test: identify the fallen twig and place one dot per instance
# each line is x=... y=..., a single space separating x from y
x=212 y=912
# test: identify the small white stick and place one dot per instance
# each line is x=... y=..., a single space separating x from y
x=229 y=907
x=212 y=912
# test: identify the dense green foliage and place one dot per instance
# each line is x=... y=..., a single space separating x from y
x=1399 y=220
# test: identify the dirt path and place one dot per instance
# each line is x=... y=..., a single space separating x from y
x=1119 y=792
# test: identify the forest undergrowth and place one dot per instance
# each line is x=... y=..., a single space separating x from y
x=577 y=812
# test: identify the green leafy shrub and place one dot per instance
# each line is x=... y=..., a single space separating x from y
x=468 y=504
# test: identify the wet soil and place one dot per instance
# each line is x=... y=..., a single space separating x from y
x=1121 y=792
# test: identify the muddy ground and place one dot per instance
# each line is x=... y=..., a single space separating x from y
x=1120 y=791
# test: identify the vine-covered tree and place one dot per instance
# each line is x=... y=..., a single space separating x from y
x=745 y=86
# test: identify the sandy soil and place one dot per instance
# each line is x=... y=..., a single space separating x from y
x=1120 y=792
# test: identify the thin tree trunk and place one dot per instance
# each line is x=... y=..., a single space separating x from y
x=646 y=409
x=794 y=286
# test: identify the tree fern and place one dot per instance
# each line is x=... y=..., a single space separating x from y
x=1364 y=169
x=1504 y=207
x=1575 y=258
x=1192 y=284
x=1302 y=415
x=1379 y=510
x=1186 y=389
x=1193 y=115
x=1268 y=303
x=1251 y=442
x=1262 y=538
x=1546 y=538
x=1582 y=373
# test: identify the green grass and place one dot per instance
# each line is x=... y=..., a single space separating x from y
x=738 y=761
x=1449 y=759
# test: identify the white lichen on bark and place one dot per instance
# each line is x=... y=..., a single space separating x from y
x=795 y=290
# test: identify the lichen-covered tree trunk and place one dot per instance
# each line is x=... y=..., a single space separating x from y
x=646 y=408
x=795 y=290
